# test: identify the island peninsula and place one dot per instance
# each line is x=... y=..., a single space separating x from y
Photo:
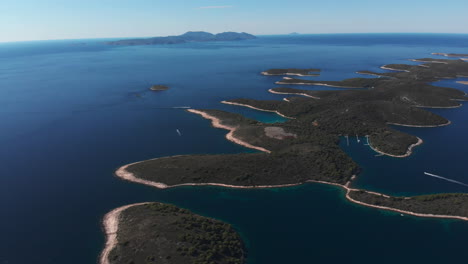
x=162 y=233
x=305 y=148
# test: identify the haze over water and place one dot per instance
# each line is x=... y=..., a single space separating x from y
x=74 y=111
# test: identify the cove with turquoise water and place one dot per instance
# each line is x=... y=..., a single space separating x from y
x=73 y=111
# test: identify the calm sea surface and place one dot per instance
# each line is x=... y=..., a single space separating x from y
x=73 y=111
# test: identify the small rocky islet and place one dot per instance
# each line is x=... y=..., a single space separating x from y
x=159 y=88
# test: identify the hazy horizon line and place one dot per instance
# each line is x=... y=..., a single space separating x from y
x=257 y=35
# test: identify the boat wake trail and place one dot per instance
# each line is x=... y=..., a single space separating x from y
x=446 y=179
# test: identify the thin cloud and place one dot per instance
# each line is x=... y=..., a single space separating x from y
x=215 y=7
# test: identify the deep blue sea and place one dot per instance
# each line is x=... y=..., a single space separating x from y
x=73 y=111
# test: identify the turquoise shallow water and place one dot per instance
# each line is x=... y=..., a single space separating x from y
x=72 y=114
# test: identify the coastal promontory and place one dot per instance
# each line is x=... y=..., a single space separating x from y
x=163 y=233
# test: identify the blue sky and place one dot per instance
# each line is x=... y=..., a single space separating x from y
x=73 y=19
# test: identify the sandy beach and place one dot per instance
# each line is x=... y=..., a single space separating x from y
x=463 y=82
x=111 y=227
x=303 y=94
x=230 y=136
x=428 y=61
x=408 y=153
x=440 y=107
x=391 y=69
x=259 y=109
x=426 y=126
x=318 y=84
x=124 y=174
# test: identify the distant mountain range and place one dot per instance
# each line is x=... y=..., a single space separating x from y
x=190 y=36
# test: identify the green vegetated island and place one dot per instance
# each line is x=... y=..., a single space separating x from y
x=162 y=233
x=191 y=36
x=302 y=150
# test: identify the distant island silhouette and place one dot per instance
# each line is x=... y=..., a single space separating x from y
x=191 y=36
